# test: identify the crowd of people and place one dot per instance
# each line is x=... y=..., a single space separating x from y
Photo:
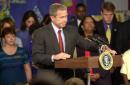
x=28 y=54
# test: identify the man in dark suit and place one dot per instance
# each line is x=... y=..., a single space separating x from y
x=57 y=41
x=80 y=13
x=109 y=18
x=107 y=28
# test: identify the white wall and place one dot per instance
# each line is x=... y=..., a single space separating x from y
x=120 y=4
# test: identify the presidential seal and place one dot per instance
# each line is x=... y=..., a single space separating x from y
x=106 y=60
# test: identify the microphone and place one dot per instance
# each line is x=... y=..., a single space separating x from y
x=103 y=41
x=98 y=41
x=102 y=44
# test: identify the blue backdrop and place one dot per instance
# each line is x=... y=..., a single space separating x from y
x=17 y=10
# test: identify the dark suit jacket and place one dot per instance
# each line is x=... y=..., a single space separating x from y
x=45 y=44
x=123 y=39
x=101 y=31
x=73 y=21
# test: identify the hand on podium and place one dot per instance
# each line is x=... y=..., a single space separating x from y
x=106 y=48
x=61 y=56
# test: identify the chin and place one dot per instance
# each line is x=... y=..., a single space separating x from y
x=64 y=25
x=11 y=44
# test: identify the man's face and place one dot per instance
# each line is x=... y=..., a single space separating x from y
x=60 y=20
x=107 y=16
x=80 y=12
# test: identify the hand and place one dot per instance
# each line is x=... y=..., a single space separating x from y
x=106 y=48
x=94 y=77
x=61 y=56
x=113 y=52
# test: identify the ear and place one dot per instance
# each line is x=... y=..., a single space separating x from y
x=52 y=18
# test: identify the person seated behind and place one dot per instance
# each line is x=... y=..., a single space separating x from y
x=74 y=81
x=125 y=69
x=46 y=77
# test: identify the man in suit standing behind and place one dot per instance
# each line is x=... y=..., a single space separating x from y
x=57 y=41
x=107 y=28
x=80 y=13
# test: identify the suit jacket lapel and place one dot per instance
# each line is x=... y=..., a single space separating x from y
x=66 y=38
x=53 y=38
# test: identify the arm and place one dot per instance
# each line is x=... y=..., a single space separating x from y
x=125 y=66
x=86 y=44
x=125 y=79
x=38 y=49
x=28 y=72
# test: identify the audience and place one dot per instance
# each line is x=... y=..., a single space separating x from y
x=74 y=81
x=9 y=23
x=45 y=77
x=108 y=29
x=86 y=29
x=80 y=13
x=14 y=66
x=28 y=25
x=125 y=69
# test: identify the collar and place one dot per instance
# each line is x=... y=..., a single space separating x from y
x=56 y=29
x=105 y=25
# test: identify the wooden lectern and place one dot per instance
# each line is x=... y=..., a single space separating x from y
x=83 y=62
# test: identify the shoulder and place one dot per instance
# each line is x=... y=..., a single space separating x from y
x=43 y=29
x=126 y=54
x=127 y=22
x=21 y=50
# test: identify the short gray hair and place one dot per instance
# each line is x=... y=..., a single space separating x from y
x=55 y=7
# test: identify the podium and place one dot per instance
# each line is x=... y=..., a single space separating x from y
x=83 y=62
